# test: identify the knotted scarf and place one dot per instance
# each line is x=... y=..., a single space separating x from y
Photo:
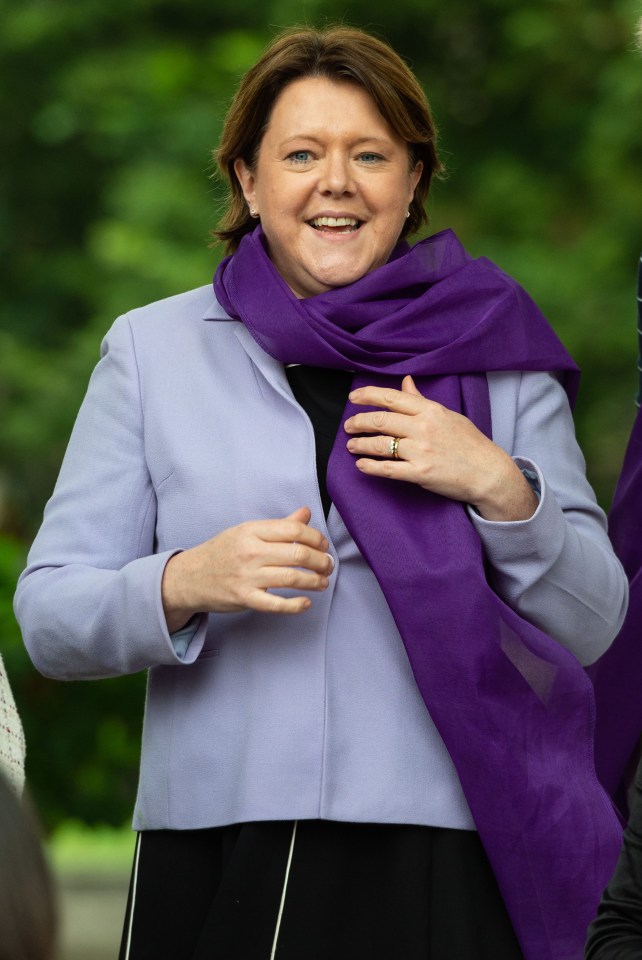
x=513 y=707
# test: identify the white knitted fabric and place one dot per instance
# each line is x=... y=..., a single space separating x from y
x=12 y=741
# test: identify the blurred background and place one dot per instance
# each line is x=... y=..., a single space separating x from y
x=109 y=115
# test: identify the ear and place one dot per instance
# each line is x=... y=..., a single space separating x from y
x=415 y=177
x=247 y=179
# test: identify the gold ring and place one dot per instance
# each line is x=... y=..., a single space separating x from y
x=394 y=447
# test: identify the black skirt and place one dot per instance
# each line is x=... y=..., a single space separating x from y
x=315 y=890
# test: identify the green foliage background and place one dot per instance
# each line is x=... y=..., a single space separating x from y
x=109 y=114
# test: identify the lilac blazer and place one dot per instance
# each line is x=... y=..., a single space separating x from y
x=188 y=427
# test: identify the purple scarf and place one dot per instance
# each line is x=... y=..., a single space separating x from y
x=513 y=707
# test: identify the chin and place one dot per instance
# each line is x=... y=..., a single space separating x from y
x=342 y=278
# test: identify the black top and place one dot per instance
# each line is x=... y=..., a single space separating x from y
x=616 y=933
x=323 y=394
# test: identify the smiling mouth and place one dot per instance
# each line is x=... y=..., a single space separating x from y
x=336 y=224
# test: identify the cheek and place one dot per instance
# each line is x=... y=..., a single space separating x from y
x=284 y=207
x=395 y=200
x=395 y=218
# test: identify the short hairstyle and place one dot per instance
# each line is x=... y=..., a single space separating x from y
x=342 y=54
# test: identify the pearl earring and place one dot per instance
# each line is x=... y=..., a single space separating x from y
x=254 y=213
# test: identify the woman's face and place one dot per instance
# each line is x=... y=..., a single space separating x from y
x=332 y=185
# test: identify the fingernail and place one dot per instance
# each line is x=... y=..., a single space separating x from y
x=331 y=559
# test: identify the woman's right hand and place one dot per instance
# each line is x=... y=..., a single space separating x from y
x=235 y=570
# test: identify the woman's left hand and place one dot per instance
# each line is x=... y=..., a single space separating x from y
x=437 y=449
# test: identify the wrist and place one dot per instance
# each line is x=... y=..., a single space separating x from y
x=176 y=606
x=508 y=496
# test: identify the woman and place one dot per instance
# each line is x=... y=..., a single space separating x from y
x=616 y=675
x=616 y=933
x=27 y=897
x=337 y=697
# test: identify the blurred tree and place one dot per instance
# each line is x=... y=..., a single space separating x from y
x=108 y=120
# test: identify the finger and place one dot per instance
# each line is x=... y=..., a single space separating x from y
x=272 y=603
x=297 y=555
x=300 y=515
x=408 y=385
x=380 y=421
x=390 y=469
x=289 y=578
x=398 y=400
x=289 y=530
x=377 y=446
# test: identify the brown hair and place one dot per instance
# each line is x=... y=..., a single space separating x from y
x=338 y=53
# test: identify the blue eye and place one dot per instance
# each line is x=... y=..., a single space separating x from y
x=370 y=157
x=300 y=156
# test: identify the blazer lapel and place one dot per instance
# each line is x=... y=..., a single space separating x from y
x=273 y=370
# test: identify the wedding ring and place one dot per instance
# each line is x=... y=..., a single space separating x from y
x=394 y=447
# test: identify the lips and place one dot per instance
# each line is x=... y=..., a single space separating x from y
x=336 y=224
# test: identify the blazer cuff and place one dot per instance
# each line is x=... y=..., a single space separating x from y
x=186 y=643
x=524 y=543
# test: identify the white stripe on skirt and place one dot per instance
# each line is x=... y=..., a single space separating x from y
x=283 y=893
x=133 y=903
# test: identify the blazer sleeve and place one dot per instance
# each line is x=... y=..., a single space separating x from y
x=89 y=602
x=557 y=569
x=616 y=933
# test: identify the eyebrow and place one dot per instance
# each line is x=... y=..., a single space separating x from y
x=355 y=143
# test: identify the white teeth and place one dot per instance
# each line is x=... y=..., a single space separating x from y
x=334 y=222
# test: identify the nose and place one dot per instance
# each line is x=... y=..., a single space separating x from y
x=336 y=176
